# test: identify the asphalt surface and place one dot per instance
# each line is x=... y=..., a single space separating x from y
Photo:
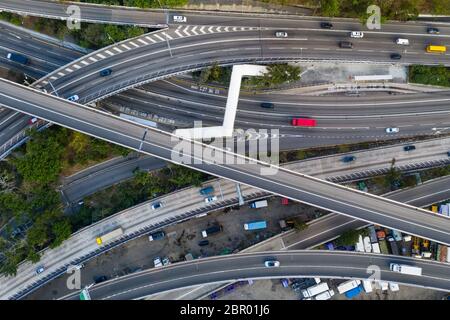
x=293 y=264
x=281 y=181
x=182 y=48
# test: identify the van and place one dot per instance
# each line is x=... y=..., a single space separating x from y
x=158 y=235
x=206 y=190
x=346 y=44
x=403 y=42
x=267 y=105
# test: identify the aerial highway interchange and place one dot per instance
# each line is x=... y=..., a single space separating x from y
x=228 y=39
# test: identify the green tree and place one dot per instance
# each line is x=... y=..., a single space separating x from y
x=348 y=238
x=330 y=8
x=300 y=225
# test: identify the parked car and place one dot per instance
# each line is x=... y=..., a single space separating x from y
x=40 y=269
x=272 y=263
x=326 y=25
x=348 y=159
x=156 y=205
x=105 y=72
x=166 y=261
x=409 y=148
x=356 y=34
x=431 y=30
x=346 y=44
x=267 y=105
x=210 y=199
x=99 y=279
x=206 y=190
x=392 y=130
x=448 y=153
x=281 y=34
x=396 y=56
x=73 y=98
x=157 y=262
x=32 y=120
x=158 y=235
x=203 y=243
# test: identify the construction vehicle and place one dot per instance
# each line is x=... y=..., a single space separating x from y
x=416 y=246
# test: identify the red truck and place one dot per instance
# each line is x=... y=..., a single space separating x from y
x=303 y=122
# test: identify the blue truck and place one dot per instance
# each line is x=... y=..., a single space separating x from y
x=255 y=225
x=353 y=293
x=206 y=190
x=17 y=58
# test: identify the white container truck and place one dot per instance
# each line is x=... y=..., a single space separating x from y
x=259 y=204
x=348 y=285
x=315 y=290
x=325 y=295
x=405 y=269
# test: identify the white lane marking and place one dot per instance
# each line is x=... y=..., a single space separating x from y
x=133 y=44
x=53 y=78
x=100 y=56
x=85 y=62
x=210 y=29
x=68 y=70
x=194 y=30
x=118 y=50
x=151 y=39
x=109 y=52
x=159 y=37
x=178 y=33
x=142 y=41
x=185 y=31
x=76 y=66
x=202 y=30
x=125 y=46
x=93 y=59
x=60 y=74
x=166 y=35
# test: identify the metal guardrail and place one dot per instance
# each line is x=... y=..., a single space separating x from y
x=210 y=208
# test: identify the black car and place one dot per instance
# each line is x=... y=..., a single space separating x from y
x=105 y=72
x=99 y=279
x=267 y=105
x=396 y=56
x=346 y=44
x=448 y=153
x=433 y=30
x=326 y=25
x=348 y=158
x=409 y=148
x=203 y=243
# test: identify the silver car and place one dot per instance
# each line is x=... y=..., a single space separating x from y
x=392 y=130
x=281 y=34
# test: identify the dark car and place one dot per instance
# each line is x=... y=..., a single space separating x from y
x=433 y=30
x=99 y=279
x=346 y=44
x=105 y=72
x=409 y=148
x=326 y=25
x=267 y=105
x=203 y=243
x=348 y=158
x=396 y=56
x=448 y=153
x=158 y=235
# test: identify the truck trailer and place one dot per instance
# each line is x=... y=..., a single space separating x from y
x=259 y=204
x=315 y=290
x=17 y=58
x=255 y=225
x=405 y=269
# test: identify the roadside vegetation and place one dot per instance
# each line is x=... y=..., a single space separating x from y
x=91 y=36
x=431 y=75
x=276 y=75
x=141 y=3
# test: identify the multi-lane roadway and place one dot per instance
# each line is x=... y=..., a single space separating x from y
x=293 y=264
x=224 y=164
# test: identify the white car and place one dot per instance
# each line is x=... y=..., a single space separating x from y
x=166 y=261
x=179 y=19
x=40 y=269
x=281 y=34
x=271 y=263
x=157 y=262
x=356 y=34
x=392 y=130
x=403 y=42
x=73 y=98
x=210 y=199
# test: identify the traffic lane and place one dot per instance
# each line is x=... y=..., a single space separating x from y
x=331 y=264
x=100 y=180
x=326 y=196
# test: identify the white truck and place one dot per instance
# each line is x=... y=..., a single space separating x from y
x=325 y=295
x=315 y=290
x=348 y=285
x=405 y=269
x=259 y=204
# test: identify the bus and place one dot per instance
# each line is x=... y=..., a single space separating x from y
x=109 y=236
x=436 y=49
x=303 y=122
